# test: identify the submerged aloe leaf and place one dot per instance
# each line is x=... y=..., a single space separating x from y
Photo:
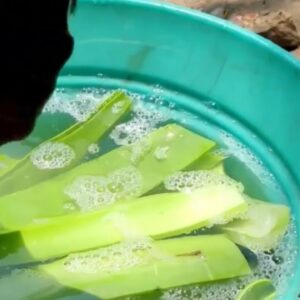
x=261 y=289
x=6 y=164
x=209 y=161
x=158 y=216
x=134 y=267
x=65 y=150
x=219 y=169
x=262 y=226
x=126 y=172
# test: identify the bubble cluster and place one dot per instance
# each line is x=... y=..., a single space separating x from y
x=190 y=181
x=94 y=192
x=144 y=121
x=93 y=149
x=220 y=291
x=161 y=153
x=80 y=105
x=139 y=150
x=117 y=107
x=52 y=155
x=278 y=264
x=111 y=259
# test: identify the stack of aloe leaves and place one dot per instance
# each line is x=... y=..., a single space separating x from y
x=113 y=227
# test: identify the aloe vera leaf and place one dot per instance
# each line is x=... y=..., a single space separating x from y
x=50 y=198
x=6 y=164
x=219 y=169
x=208 y=161
x=158 y=216
x=136 y=267
x=261 y=289
x=262 y=226
x=73 y=143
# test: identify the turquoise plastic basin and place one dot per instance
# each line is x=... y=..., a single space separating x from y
x=196 y=57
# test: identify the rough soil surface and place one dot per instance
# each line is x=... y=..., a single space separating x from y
x=277 y=20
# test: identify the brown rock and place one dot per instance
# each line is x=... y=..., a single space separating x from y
x=214 y=7
x=278 y=27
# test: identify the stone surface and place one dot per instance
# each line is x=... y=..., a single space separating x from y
x=278 y=27
x=275 y=20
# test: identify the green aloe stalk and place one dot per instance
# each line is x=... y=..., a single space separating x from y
x=209 y=161
x=158 y=216
x=133 y=267
x=261 y=289
x=262 y=226
x=65 y=150
x=126 y=172
x=6 y=164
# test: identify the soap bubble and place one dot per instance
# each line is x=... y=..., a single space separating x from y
x=52 y=155
x=94 y=192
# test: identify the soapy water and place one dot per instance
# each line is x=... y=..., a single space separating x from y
x=93 y=192
x=80 y=106
x=146 y=118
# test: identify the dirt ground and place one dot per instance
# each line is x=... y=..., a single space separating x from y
x=292 y=6
x=278 y=20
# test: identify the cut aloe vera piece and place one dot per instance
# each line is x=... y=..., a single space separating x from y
x=133 y=267
x=6 y=164
x=65 y=150
x=124 y=173
x=262 y=226
x=219 y=169
x=209 y=161
x=261 y=289
x=158 y=216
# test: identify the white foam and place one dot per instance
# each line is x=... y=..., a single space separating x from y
x=161 y=153
x=145 y=119
x=93 y=149
x=69 y=206
x=278 y=265
x=94 y=192
x=139 y=150
x=189 y=181
x=111 y=259
x=80 y=105
x=52 y=155
x=117 y=107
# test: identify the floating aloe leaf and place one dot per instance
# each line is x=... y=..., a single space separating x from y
x=130 y=268
x=158 y=216
x=262 y=226
x=117 y=175
x=65 y=150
